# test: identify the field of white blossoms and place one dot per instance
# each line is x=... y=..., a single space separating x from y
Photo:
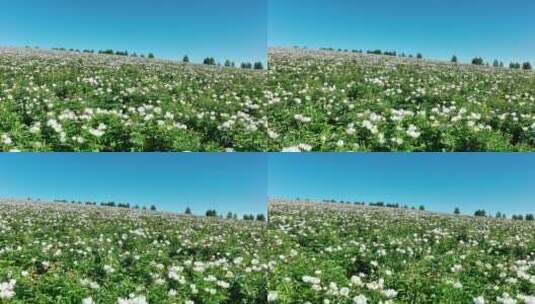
x=344 y=101
x=67 y=101
x=64 y=253
x=310 y=101
x=338 y=253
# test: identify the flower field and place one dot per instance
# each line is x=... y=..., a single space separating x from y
x=310 y=101
x=67 y=101
x=344 y=101
x=339 y=253
x=64 y=253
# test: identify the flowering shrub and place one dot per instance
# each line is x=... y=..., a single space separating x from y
x=339 y=253
x=337 y=101
x=64 y=253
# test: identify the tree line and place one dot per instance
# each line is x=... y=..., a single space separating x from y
x=207 y=61
x=374 y=204
x=456 y=211
x=108 y=204
x=231 y=216
x=475 y=61
x=517 y=217
x=230 y=64
x=497 y=64
x=208 y=213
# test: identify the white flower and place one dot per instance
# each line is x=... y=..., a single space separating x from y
x=6 y=289
x=88 y=300
x=133 y=300
x=272 y=296
x=390 y=293
x=291 y=149
x=108 y=269
x=301 y=118
x=506 y=299
x=360 y=299
x=412 y=131
x=355 y=280
x=6 y=140
x=272 y=134
x=96 y=132
x=311 y=280
x=298 y=148
x=527 y=299
x=479 y=300
x=456 y=268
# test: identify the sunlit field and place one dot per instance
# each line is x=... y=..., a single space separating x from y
x=311 y=101
x=69 y=253
x=342 y=253
x=345 y=101
x=68 y=101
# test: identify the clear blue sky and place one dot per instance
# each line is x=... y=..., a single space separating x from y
x=495 y=182
x=233 y=29
x=437 y=28
x=225 y=182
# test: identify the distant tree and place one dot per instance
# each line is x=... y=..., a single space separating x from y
x=477 y=61
x=454 y=59
x=530 y=217
x=258 y=66
x=518 y=217
x=188 y=211
x=211 y=213
x=227 y=63
x=153 y=208
x=498 y=215
x=457 y=211
x=419 y=56
x=151 y=56
x=421 y=208
x=185 y=59
x=501 y=64
x=375 y=52
x=249 y=217
x=229 y=216
x=526 y=66
x=260 y=218
x=481 y=213
x=246 y=65
x=495 y=64
x=514 y=65
x=209 y=61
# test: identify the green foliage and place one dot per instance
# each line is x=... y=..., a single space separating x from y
x=340 y=253
x=64 y=253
